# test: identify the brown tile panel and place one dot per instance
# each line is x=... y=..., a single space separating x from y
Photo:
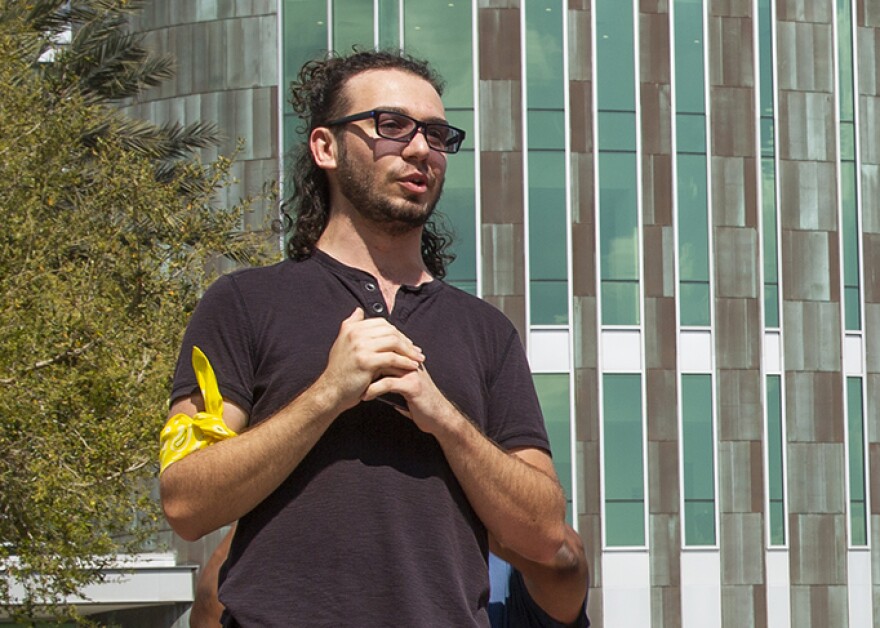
x=585 y=344
x=815 y=478
x=871 y=244
x=501 y=193
x=812 y=341
x=736 y=263
x=581 y=117
x=589 y=501
x=869 y=124
x=665 y=538
x=730 y=8
x=666 y=606
x=657 y=189
x=874 y=472
x=872 y=339
x=513 y=306
x=586 y=405
x=662 y=402
x=819 y=606
x=731 y=58
x=660 y=334
x=814 y=407
x=659 y=247
x=656 y=122
x=663 y=491
x=503 y=259
x=583 y=260
x=654 y=54
x=743 y=605
x=732 y=122
x=496 y=61
x=582 y=188
x=803 y=10
x=740 y=405
x=870 y=181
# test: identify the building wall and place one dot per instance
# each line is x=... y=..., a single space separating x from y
x=658 y=194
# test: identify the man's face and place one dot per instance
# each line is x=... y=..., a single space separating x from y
x=392 y=184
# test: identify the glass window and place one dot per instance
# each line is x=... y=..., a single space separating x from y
x=546 y=129
x=544 y=60
x=624 y=460
x=698 y=456
x=553 y=393
x=619 y=238
x=617 y=131
x=441 y=33
x=690 y=83
x=693 y=241
x=304 y=38
x=856 y=434
x=352 y=25
x=615 y=55
x=458 y=208
x=845 y=59
x=765 y=43
x=548 y=264
x=775 y=466
x=389 y=24
x=690 y=133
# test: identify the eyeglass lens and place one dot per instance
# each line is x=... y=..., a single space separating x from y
x=396 y=126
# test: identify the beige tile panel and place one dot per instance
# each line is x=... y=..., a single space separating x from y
x=662 y=402
x=870 y=198
x=805 y=56
x=501 y=132
x=666 y=606
x=868 y=43
x=587 y=407
x=816 y=478
x=665 y=543
x=809 y=266
x=663 y=484
x=656 y=119
x=814 y=407
x=731 y=59
x=734 y=192
x=580 y=41
x=806 y=126
x=869 y=123
x=503 y=260
x=819 y=606
x=657 y=189
x=818 y=550
x=808 y=192
x=741 y=487
x=871 y=243
x=869 y=13
x=740 y=405
x=743 y=606
x=812 y=339
x=589 y=501
x=732 y=122
x=659 y=248
x=874 y=472
x=736 y=263
x=660 y=334
x=738 y=326
x=803 y=11
x=742 y=553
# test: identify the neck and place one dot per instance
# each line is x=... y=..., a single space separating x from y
x=395 y=258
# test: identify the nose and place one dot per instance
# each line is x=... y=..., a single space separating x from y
x=418 y=145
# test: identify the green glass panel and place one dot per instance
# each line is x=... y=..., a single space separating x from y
x=698 y=451
x=845 y=58
x=690 y=133
x=618 y=209
x=304 y=35
x=441 y=33
x=771 y=305
x=615 y=55
x=548 y=262
x=765 y=44
x=847 y=141
x=768 y=139
x=770 y=219
x=458 y=207
x=553 y=394
x=620 y=302
x=689 y=42
x=546 y=129
x=617 y=131
x=694 y=304
x=850 y=230
x=693 y=218
x=544 y=55
x=853 y=309
x=775 y=466
x=352 y=25
x=856 y=436
x=624 y=460
x=389 y=24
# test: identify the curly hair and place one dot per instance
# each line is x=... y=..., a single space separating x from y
x=317 y=96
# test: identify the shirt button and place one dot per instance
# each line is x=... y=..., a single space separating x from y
x=370 y=286
x=378 y=308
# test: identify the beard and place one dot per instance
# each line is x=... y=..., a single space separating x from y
x=396 y=215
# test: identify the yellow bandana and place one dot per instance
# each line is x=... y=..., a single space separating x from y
x=184 y=434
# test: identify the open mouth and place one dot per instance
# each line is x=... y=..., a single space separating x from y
x=416 y=183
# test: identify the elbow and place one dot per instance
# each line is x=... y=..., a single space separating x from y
x=179 y=513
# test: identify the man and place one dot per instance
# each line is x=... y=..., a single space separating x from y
x=524 y=594
x=391 y=422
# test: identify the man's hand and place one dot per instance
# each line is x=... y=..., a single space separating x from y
x=366 y=350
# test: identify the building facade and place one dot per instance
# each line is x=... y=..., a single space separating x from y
x=677 y=202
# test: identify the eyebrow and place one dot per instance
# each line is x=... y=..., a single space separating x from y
x=407 y=113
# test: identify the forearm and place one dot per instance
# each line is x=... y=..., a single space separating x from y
x=221 y=483
x=521 y=505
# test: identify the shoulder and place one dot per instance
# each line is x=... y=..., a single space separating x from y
x=474 y=309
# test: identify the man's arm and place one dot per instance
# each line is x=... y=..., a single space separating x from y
x=206 y=608
x=515 y=494
x=558 y=586
x=205 y=491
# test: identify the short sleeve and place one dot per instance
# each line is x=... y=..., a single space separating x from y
x=221 y=328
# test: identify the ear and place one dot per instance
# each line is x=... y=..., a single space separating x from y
x=322 y=144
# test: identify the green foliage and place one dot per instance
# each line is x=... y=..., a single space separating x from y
x=101 y=262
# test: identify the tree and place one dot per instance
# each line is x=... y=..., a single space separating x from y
x=103 y=254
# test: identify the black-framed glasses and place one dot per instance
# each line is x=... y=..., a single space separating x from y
x=399 y=127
